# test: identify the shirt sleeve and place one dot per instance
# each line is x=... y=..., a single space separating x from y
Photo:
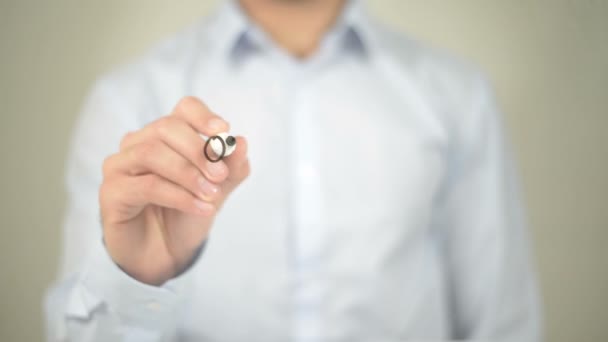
x=492 y=284
x=93 y=299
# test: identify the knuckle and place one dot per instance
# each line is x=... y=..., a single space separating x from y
x=145 y=151
x=189 y=103
x=103 y=193
x=163 y=126
x=126 y=139
x=107 y=195
x=107 y=165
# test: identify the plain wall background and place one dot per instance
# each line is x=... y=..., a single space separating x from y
x=548 y=61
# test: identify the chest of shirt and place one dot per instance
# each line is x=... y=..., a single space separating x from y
x=348 y=132
x=367 y=142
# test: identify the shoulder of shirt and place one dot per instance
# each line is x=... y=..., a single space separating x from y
x=451 y=90
x=449 y=85
x=429 y=64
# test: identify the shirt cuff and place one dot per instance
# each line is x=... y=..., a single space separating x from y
x=136 y=304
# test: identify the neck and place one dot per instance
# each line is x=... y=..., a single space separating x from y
x=298 y=26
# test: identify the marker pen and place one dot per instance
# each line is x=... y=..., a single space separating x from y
x=221 y=144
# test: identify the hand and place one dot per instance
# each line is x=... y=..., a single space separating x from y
x=159 y=194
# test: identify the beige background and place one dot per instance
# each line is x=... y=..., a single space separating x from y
x=548 y=60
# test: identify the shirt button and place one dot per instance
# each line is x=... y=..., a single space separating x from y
x=153 y=306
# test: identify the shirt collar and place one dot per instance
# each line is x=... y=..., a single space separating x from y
x=241 y=37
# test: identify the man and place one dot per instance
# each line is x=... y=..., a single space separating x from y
x=381 y=204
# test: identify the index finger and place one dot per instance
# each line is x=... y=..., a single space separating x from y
x=193 y=111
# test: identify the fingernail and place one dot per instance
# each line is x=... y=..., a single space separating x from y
x=208 y=189
x=216 y=125
x=216 y=169
x=204 y=207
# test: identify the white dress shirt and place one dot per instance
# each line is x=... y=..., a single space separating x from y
x=382 y=204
